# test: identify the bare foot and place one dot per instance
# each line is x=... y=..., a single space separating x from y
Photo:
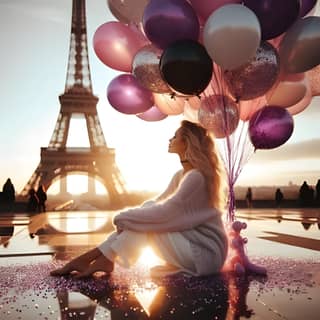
x=100 y=264
x=79 y=264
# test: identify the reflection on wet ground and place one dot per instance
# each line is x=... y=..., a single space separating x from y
x=286 y=242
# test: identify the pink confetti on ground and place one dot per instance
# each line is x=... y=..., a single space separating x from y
x=18 y=279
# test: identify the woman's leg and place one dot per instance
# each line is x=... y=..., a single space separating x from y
x=83 y=262
x=79 y=263
x=124 y=248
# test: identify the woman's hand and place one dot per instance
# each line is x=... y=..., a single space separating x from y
x=119 y=230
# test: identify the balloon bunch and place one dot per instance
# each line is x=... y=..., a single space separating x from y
x=241 y=69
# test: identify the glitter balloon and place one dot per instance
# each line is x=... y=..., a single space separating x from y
x=145 y=68
x=219 y=114
x=313 y=77
x=256 y=77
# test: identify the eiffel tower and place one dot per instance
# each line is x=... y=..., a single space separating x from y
x=98 y=160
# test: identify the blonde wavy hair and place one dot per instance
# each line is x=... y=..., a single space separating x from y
x=202 y=154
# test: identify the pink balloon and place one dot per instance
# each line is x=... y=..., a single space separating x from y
x=249 y=107
x=205 y=7
x=115 y=44
x=190 y=113
x=302 y=104
x=168 y=103
x=126 y=95
x=152 y=114
x=194 y=102
x=288 y=91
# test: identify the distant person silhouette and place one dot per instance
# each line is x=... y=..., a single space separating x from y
x=249 y=198
x=304 y=194
x=42 y=198
x=278 y=197
x=310 y=198
x=8 y=195
x=6 y=232
x=33 y=201
x=318 y=192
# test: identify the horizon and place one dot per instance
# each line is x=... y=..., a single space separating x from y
x=34 y=57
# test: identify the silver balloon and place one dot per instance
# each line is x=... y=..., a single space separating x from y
x=300 y=47
x=256 y=77
x=219 y=114
x=145 y=68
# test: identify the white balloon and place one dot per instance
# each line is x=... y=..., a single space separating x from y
x=232 y=35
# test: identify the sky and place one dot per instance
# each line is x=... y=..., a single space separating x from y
x=34 y=37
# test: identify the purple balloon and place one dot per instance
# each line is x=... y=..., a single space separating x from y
x=275 y=16
x=167 y=21
x=152 y=114
x=306 y=7
x=270 y=127
x=127 y=95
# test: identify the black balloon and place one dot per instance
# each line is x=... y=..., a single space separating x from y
x=186 y=67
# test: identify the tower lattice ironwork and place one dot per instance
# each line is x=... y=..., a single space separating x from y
x=98 y=160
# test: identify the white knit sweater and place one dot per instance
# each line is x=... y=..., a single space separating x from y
x=183 y=208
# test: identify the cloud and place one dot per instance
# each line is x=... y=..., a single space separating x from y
x=45 y=11
x=309 y=149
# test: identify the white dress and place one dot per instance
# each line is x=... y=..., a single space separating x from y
x=180 y=226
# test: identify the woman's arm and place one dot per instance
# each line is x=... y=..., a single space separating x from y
x=168 y=215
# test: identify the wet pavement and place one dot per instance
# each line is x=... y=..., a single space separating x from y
x=286 y=242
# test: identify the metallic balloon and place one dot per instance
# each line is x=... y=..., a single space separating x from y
x=306 y=7
x=126 y=95
x=231 y=35
x=167 y=21
x=288 y=91
x=169 y=103
x=275 y=16
x=256 y=77
x=127 y=11
x=219 y=114
x=115 y=44
x=145 y=68
x=302 y=104
x=205 y=7
x=152 y=114
x=270 y=127
x=186 y=66
x=300 y=48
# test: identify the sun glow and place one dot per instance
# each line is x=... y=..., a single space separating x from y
x=146 y=296
x=148 y=258
x=79 y=184
x=77 y=222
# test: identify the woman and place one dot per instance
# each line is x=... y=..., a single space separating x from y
x=183 y=225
